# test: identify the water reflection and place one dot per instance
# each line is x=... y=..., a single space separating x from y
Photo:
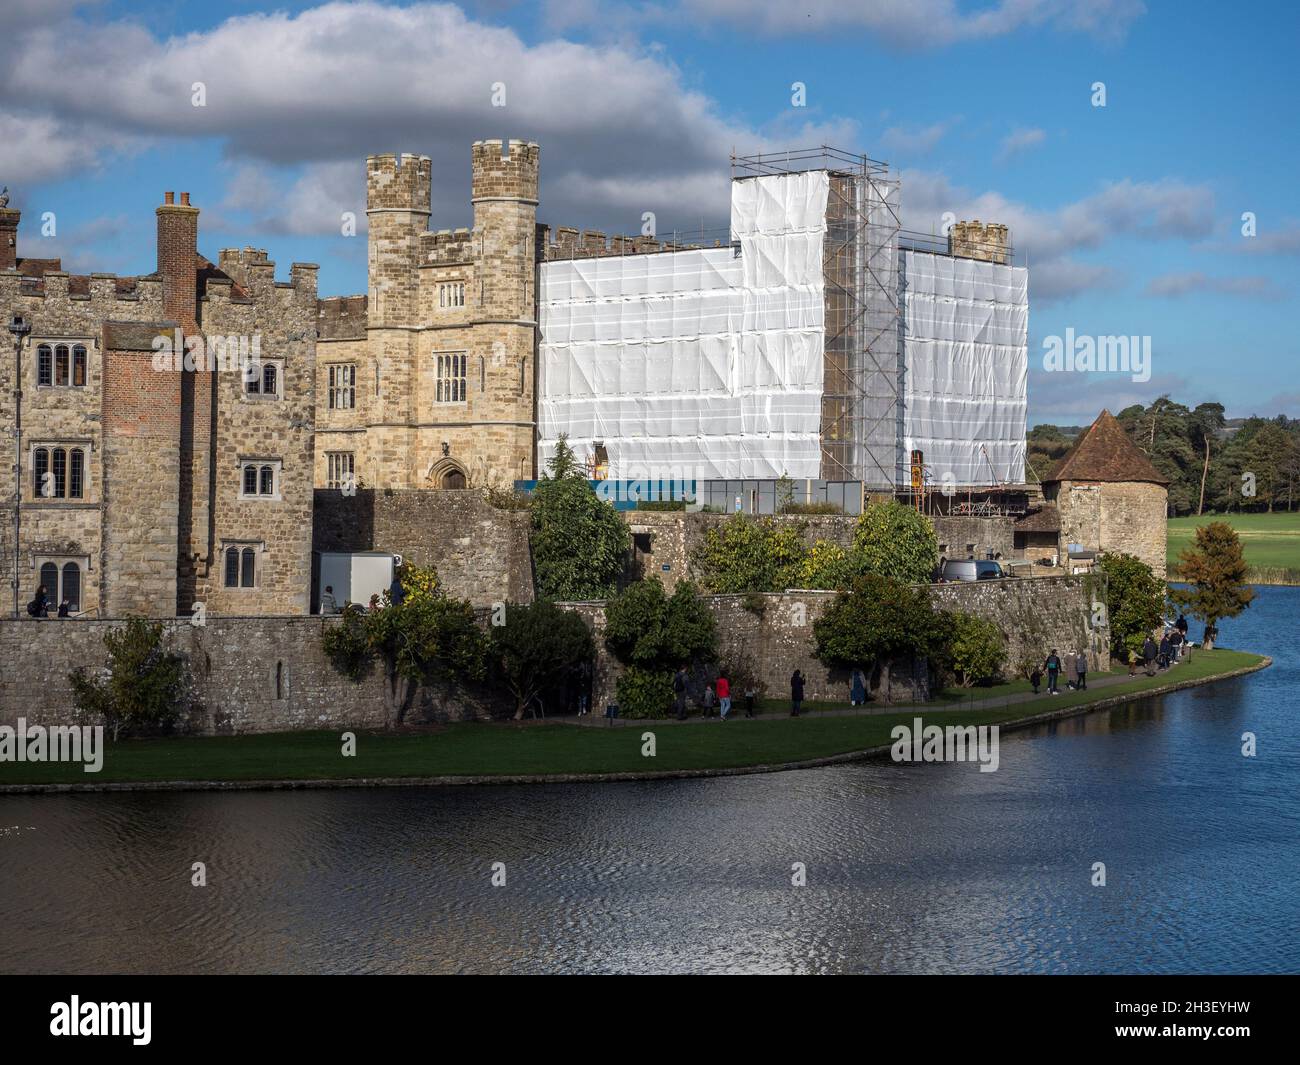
x=914 y=868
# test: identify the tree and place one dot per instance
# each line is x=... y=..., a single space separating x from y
x=646 y=627
x=877 y=620
x=536 y=647
x=426 y=637
x=1135 y=601
x=1215 y=568
x=829 y=566
x=143 y=685
x=895 y=541
x=1044 y=445
x=1206 y=422
x=976 y=649
x=580 y=544
x=652 y=634
x=744 y=554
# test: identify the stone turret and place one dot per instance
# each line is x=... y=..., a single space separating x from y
x=988 y=242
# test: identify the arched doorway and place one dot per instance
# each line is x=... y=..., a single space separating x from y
x=447 y=473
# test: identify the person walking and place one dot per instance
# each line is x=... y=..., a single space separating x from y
x=749 y=700
x=1149 y=652
x=1071 y=672
x=1181 y=626
x=796 y=693
x=1053 y=667
x=679 y=693
x=708 y=700
x=1036 y=678
x=1175 y=646
x=1081 y=667
x=1163 y=652
x=858 y=691
x=724 y=696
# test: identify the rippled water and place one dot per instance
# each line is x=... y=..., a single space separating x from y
x=910 y=869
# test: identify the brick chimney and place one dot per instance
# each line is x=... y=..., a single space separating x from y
x=9 y=237
x=178 y=241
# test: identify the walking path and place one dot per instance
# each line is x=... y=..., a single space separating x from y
x=1095 y=681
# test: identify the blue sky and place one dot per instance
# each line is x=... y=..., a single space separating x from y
x=1130 y=215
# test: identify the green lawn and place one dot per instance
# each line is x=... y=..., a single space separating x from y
x=495 y=749
x=1271 y=542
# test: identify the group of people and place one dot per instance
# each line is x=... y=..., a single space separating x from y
x=40 y=606
x=1074 y=665
x=717 y=695
x=1162 y=654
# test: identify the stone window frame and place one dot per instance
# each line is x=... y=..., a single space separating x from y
x=451 y=295
x=261 y=464
x=246 y=381
x=40 y=560
x=74 y=345
x=333 y=459
x=70 y=446
x=336 y=391
x=451 y=376
x=241 y=548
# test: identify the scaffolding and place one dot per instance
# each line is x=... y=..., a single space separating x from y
x=862 y=408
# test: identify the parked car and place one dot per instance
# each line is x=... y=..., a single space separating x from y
x=969 y=569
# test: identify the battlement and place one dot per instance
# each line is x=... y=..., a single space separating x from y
x=398 y=182
x=505 y=170
x=988 y=242
x=102 y=291
x=341 y=318
x=446 y=246
x=572 y=243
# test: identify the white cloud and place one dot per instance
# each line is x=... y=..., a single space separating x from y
x=915 y=141
x=917 y=24
x=620 y=131
x=1019 y=141
x=1168 y=209
x=1193 y=282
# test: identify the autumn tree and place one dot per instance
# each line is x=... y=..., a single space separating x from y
x=1215 y=568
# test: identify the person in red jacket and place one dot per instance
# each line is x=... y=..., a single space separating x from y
x=724 y=697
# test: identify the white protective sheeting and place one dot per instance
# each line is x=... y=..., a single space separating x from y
x=965 y=326
x=695 y=364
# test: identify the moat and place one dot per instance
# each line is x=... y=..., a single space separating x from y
x=916 y=868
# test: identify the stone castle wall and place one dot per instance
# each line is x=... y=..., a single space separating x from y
x=245 y=675
x=481 y=552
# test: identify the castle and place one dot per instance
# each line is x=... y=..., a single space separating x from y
x=177 y=432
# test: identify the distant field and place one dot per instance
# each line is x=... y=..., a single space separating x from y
x=1271 y=542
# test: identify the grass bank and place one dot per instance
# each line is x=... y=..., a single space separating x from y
x=509 y=750
x=1271 y=543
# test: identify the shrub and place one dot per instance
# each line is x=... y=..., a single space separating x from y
x=878 y=619
x=661 y=504
x=579 y=542
x=976 y=650
x=347 y=645
x=822 y=507
x=144 y=685
x=829 y=566
x=535 y=648
x=645 y=627
x=896 y=541
x=424 y=638
x=745 y=554
x=644 y=693
x=1135 y=601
